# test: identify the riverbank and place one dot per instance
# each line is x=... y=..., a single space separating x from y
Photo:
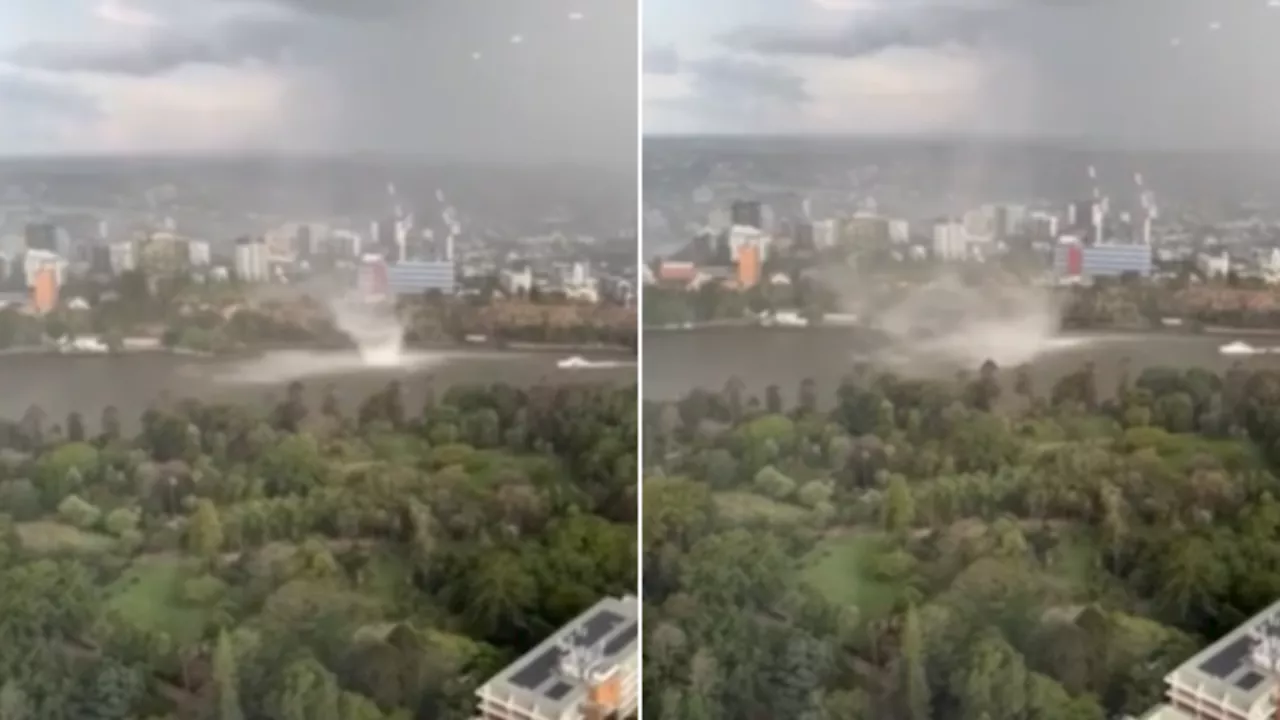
x=93 y=346
x=850 y=322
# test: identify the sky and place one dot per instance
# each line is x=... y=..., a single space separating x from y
x=1165 y=73
x=526 y=80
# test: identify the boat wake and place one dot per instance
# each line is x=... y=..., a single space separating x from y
x=1242 y=348
x=577 y=362
x=279 y=367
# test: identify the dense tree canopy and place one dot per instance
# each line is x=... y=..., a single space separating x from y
x=970 y=549
x=303 y=564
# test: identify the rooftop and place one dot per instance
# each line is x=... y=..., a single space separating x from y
x=1230 y=671
x=535 y=682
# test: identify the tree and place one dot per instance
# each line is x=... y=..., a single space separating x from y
x=498 y=592
x=110 y=424
x=914 y=685
x=226 y=680
x=14 y=704
x=75 y=427
x=899 y=506
x=992 y=683
x=204 y=532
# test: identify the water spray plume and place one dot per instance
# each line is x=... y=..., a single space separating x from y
x=374 y=328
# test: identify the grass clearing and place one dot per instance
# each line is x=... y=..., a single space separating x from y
x=746 y=507
x=840 y=568
x=149 y=595
x=48 y=536
x=1074 y=557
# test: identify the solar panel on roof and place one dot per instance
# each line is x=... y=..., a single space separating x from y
x=1228 y=659
x=596 y=627
x=537 y=670
x=559 y=690
x=625 y=637
x=1249 y=681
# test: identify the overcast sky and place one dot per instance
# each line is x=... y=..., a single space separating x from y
x=1181 y=73
x=94 y=76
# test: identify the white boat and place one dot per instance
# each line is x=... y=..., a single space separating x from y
x=1239 y=348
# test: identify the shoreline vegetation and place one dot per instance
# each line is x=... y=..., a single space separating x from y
x=791 y=322
x=805 y=297
x=228 y=318
x=93 y=346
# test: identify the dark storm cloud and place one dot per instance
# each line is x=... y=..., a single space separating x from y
x=735 y=80
x=661 y=60
x=1177 y=73
x=39 y=114
x=399 y=76
x=867 y=35
x=348 y=9
x=232 y=43
x=23 y=95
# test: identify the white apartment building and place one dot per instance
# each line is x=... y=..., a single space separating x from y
x=252 y=263
x=825 y=233
x=123 y=256
x=588 y=670
x=198 y=253
x=899 y=231
x=1212 y=266
x=1232 y=679
x=950 y=241
x=515 y=282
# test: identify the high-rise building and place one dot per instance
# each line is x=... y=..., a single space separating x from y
x=1072 y=259
x=418 y=276
x=123 y=256
x=251 y=261
x=899 y=231
x=749 y=266
x=825 y=233
x=588 y=670
x=303 y=242
x=950 y=240
x=803 y=236
x=747 y=212
x=866 y=229
x=386 y=238
x=740 y=236
x=44 y=288
x=198 y=253
x=41 y=236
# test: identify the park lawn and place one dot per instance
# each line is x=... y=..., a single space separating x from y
x=1075 y=558
x=149 y=595
x=740 y=507
x=50 y=536
x=840 y=568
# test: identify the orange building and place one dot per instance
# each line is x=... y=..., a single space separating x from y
x=44 y=290
x=748 y=266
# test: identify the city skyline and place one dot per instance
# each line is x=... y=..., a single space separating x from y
x=457 y=80
x=1178 y=74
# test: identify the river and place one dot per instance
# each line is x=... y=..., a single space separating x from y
x=677 y=361
x=61 y=384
